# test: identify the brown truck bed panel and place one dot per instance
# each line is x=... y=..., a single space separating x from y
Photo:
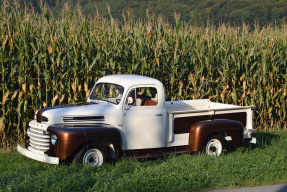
x=183 y=124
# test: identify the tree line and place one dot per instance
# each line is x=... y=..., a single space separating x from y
x=198 y=12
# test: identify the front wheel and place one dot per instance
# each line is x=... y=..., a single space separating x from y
x=215 y=145
x=91 y=155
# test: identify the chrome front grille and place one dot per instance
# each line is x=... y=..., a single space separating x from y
x=38 y=140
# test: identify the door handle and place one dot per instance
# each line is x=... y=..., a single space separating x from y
x=158 y=115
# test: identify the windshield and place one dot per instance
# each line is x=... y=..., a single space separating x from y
x=108 y=92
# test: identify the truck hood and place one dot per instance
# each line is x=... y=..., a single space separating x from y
x=101 y=112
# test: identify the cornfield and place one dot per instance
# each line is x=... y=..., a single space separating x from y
x=47 y=61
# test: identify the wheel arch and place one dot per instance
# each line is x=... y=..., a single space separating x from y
x=112 y=146
x=211 y=135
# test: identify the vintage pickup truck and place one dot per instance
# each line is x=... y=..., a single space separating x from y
x=127 y=116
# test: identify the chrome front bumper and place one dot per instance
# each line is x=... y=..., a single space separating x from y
x=36 y=156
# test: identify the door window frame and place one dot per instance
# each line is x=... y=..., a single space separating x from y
x=127 y=107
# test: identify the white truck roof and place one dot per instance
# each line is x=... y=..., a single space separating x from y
x=129 y=80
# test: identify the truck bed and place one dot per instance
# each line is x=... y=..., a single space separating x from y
x=183 y=114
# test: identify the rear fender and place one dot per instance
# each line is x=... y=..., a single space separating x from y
x=201 y=131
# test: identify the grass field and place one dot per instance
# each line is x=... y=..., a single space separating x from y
x=263 y=164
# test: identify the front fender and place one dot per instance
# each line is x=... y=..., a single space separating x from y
x=204 y=129
x=70 y=138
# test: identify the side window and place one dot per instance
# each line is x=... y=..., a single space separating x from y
x=143 y=96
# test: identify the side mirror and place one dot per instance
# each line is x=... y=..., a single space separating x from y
x=130 y=101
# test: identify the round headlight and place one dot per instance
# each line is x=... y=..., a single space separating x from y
x=53 y=139
x=29 y=132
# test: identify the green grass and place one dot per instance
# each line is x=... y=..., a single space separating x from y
x=263 y=164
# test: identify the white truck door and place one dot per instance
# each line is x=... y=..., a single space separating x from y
x=143 y=119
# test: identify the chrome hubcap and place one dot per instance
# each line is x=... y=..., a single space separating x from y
x=214 y=147
x=93 y=157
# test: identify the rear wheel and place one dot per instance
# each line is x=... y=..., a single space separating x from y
x=91 y=155
x=215 y=145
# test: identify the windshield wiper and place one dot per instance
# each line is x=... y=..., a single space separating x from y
x=93 y=102
x=104 y=99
